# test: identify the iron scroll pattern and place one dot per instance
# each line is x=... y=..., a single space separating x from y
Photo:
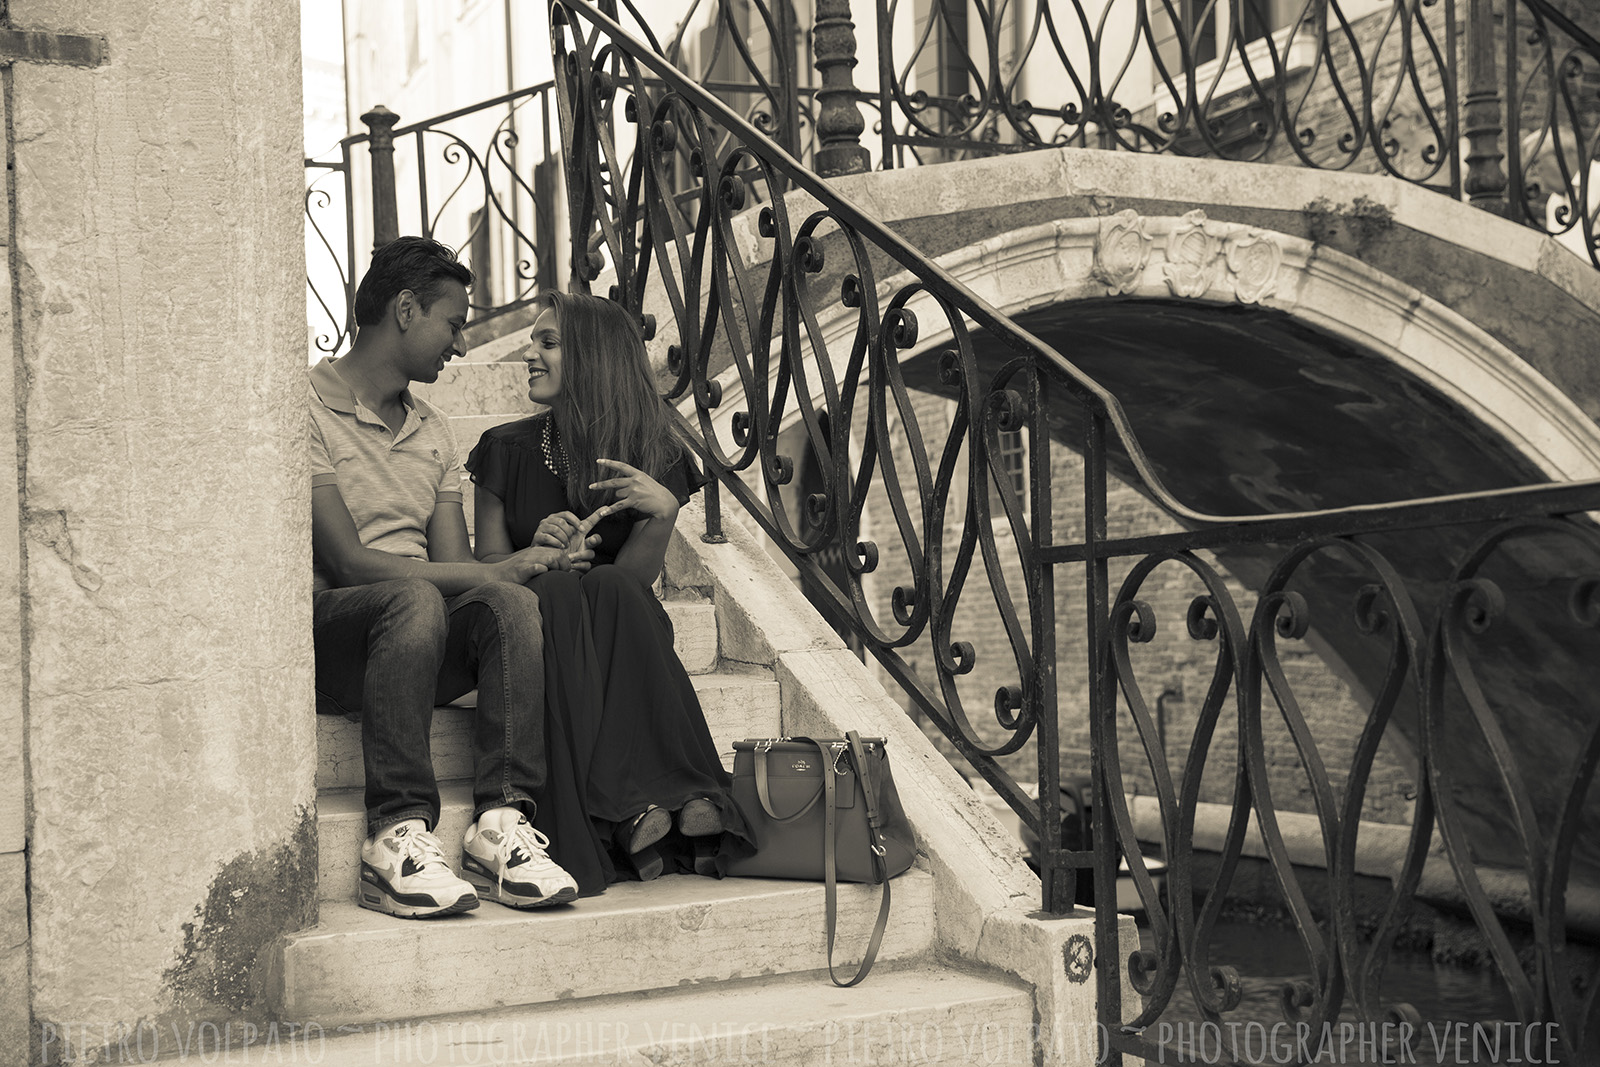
x=796 y=312
x=1552 y=71
x=330 y=287
x=1436 y=641
x=465 y=178
x=1302 y=82
x=813 y=338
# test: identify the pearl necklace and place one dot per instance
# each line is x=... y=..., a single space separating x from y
x=555 y=456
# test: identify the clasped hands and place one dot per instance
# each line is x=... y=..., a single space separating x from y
x=573 y=538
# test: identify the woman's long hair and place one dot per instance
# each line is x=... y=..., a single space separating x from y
x=608 y=407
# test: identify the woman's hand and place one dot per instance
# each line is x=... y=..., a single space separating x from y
x=580 y=553
x=573 y=536
x=637 y=490
x=557 y=530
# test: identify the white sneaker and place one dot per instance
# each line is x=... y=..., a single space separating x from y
x=514 y=868
x=404 y=873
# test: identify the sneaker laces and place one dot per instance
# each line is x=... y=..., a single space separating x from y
x=522 y=837
x=423 y=849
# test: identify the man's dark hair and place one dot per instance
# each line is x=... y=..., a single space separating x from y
x=416 y=263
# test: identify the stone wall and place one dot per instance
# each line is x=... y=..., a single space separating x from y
x=13 y=815
x=158 y=636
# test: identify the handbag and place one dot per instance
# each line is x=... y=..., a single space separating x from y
x=823 y=810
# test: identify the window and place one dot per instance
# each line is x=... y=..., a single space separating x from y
x=1014 y=461
x=940 y=68
x=480 y=259
x=1210 y=28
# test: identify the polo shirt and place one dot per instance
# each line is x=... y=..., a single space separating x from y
x=391 y=482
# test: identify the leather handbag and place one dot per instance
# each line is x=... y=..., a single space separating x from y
x=823 y=810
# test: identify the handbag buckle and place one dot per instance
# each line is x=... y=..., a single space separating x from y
x=763 y=746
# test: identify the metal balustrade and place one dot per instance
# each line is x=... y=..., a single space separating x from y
x=456 y=177
x=809 y=333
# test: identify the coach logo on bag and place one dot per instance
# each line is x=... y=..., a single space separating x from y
x=800 y=765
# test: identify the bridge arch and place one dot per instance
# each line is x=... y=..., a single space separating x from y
x=1045 y=274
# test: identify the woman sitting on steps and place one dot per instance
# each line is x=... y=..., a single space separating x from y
x=605 y=468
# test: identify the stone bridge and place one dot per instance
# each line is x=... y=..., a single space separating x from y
x=1285 y=340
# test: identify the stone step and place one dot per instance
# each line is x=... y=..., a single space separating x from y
x=735 y=706
x=739 y=701
x=694 y=630
x=358 y=966
x=504 y=336
x=911 y=1014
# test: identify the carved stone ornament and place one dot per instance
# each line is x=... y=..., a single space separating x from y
x=1121 y=251
x=1193 y=256
x=1254 y=258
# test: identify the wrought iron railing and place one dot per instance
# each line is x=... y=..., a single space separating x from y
x=1552 y=74
x=807 y=336
x=463 y=177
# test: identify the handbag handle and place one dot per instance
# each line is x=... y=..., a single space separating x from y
x=764 y=793
x=857 y=755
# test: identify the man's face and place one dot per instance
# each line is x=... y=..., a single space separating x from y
x=434 y=336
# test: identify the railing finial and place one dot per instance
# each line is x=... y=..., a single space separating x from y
x=385 y=212
x=840 y=124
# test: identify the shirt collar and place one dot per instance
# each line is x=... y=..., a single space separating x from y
x=336 y=394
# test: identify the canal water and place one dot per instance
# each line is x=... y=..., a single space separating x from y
x=1464 y=1013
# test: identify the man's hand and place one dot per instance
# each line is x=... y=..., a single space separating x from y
x=519 y=567
x=637 y=490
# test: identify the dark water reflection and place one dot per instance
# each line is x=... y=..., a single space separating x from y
x=1450 y=1000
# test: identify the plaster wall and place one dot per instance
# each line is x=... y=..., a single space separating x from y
x=164 y=528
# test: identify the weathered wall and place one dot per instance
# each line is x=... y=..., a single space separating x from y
x=13 y=819
x=158 y=360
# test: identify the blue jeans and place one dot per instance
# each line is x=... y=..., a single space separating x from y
x=388 y=652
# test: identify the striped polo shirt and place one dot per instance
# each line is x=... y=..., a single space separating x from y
x=391 y=482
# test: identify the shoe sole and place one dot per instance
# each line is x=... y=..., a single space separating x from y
x=652 y=826
x=489 y=888
x=379 y=898
x=699 y=818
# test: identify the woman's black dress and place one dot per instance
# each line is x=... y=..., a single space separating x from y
x=623 y=724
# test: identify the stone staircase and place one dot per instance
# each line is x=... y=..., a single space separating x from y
x=688 y=969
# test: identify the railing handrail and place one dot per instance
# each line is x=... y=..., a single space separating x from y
x=995 y=321
x=350 y=140
x=1548 y=11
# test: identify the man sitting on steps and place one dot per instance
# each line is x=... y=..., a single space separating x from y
x=404 y=617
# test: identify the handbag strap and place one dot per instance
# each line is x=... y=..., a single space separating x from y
x=857 y=755
x=764 y=792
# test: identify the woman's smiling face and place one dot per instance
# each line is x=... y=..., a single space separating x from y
x=544 y=358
